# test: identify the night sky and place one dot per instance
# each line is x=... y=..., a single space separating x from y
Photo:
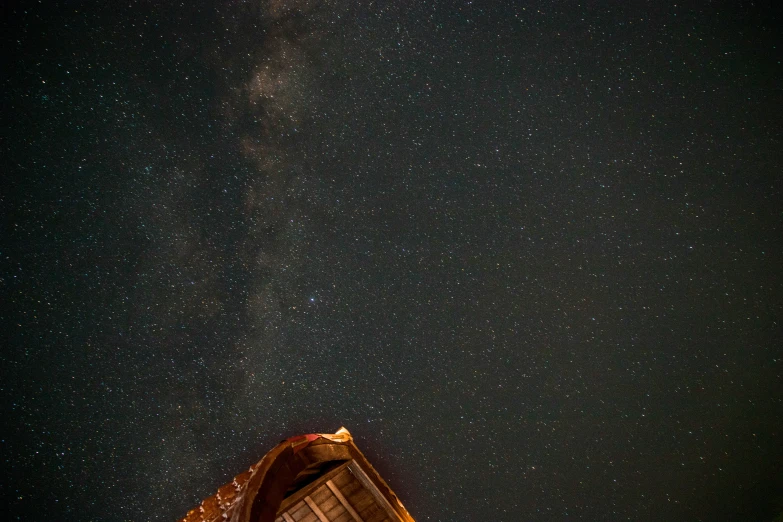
x=528 y=253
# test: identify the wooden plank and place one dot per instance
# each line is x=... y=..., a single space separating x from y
x=354 y=492
x=349 y=487
x=363 y=500
x=288 y=518
x=343 y=478
x=321 y=495
x=343 y=501
x=375 y=513
x=359 y=473
x=299 y=511
x=330 y=504
x=310 y=488
x=316 y=509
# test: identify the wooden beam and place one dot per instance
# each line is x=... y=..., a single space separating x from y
x=344 y=501
x=368 y=484
x=288 y=518
x=309 y=489
x=316 y=509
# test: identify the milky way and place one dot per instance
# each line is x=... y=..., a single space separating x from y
x=528 y=254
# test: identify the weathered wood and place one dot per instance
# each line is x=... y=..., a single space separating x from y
x=344 y=517
x=361 y=501
x=309 y=478
x=316 y=510
x=368 y=484
x=343 y=501
x=322 y=496
x=331 y=507
x=310 y=488
x=299 y=511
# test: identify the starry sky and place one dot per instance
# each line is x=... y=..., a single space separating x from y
x=529 y=253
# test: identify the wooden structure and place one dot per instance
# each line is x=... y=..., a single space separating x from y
x=311 y=478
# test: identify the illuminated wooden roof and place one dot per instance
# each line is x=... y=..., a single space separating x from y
x=312 y=478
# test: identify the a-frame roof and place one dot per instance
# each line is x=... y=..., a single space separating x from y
x=311 y=478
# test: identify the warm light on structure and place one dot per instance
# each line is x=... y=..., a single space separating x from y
x=310 y=478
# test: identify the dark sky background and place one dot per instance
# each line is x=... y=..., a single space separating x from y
x=528 y=253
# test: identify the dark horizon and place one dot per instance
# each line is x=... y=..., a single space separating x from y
x=528 y=254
